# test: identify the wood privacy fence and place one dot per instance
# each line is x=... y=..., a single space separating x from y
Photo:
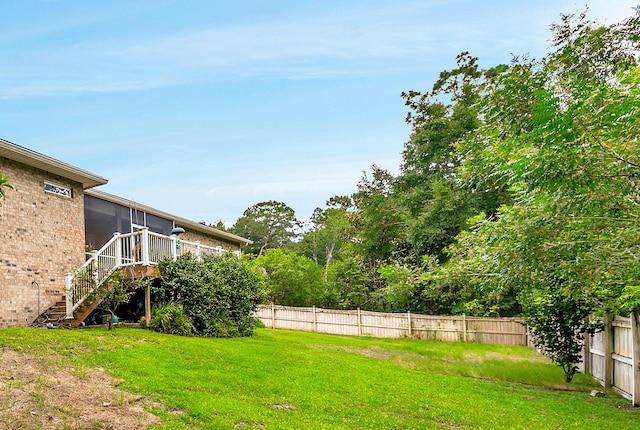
x=502 y=331
x=612 y=356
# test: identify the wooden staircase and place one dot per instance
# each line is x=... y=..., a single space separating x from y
x=56 y=315
x=135 y=254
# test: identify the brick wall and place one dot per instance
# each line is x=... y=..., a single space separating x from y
x=41 y=239
x=194 y=236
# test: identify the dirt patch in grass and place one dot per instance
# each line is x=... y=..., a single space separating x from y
x=374 y=352
x=36 y=395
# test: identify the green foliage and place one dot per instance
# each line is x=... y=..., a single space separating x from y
x=402 y=287
x=113 y=292
x=352 y=283
x=331 y=229
x=435 y=203
x=218 y=225
x=268 y=224
x=561 y=134
x=378 y=223
x=518 y=193
x=290 y=279
x=4 y=186
x=557 y=320
x=629 y=301
x=218 y=293
x=170 y=318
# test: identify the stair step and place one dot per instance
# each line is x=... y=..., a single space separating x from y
x=56 y=313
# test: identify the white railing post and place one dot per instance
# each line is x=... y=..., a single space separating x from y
x=174 y=247
x=118 y=256
x=95 y=266
x=198 y=250
x=144 y=241
x=68 y=285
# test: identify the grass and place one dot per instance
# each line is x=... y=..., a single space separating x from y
x=295 y=380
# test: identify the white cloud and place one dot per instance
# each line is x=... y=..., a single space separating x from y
x=347 y=41
x=325 y=177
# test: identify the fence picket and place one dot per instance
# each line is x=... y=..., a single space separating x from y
x=504 y=331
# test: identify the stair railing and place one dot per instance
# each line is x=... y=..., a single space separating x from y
x=119 y=251
x=140 y=248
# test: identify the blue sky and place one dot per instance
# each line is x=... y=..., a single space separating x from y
x=204 y=108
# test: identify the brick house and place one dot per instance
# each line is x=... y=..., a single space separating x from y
x=54 y=215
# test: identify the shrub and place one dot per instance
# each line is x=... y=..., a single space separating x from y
x=171 y=319
x=218 y=293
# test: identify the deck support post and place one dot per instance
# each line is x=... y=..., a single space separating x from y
x=147 y=305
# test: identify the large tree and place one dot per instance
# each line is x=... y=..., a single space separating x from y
x=330 y=229
x=268 y=224
x=434 y=202
x=562 y=134
x=378 y=221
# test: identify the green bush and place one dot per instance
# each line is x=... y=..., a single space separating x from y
x=290 y=279
x=218 y=293
x=170 y=318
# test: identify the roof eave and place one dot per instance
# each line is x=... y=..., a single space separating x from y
x=39 y=161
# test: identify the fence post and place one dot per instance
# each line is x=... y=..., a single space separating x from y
x=273 y=315
x=608 y=351
x=587 y=353
x=464 y=327
x=409 y=321
x=635 y=341
x=359 y=324
x=315 y=322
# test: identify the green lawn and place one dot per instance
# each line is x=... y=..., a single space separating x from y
x=295 y=380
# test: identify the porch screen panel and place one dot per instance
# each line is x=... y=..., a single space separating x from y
x=102 y=219
x=159 y=225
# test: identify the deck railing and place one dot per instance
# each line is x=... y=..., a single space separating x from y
x=141 y=248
